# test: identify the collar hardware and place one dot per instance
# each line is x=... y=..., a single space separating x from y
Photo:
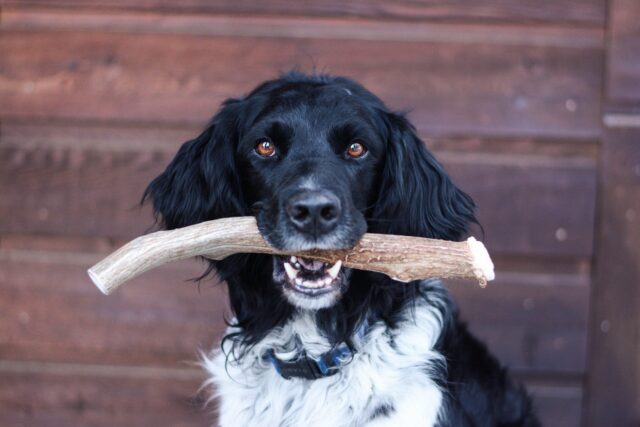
x=326 y=365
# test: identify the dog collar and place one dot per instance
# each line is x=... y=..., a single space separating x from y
x=326 y=365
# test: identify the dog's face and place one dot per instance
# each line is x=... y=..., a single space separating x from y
x=319 y=161
x=310 y=164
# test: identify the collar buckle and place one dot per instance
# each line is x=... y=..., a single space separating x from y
x=326 y=365
x=312 y=369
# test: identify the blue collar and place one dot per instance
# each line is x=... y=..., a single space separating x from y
x=326 y=365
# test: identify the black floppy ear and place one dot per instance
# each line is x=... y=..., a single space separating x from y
x=417 y=197
x=201 y=182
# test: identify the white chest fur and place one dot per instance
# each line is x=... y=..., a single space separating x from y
x=391 y=369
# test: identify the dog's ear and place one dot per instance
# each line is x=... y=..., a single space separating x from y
x=201 y=182
x=416 y=196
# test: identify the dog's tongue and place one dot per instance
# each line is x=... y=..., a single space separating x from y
x=310 y=264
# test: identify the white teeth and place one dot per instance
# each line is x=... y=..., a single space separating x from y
x=293 y=260
x=309 y=284
x=327 y=281
x=291 y=272
x=333 y=271
x=298 y=281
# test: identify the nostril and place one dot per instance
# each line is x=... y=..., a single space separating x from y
x=329 y=212
x=299 y=212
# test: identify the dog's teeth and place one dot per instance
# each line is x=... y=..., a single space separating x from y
x=291 y=272
x=293 y=260
x=333 y=271
x=328 y=281
x=310 y=284
x=298 y=281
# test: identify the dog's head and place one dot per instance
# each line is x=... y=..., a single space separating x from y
x=319 y=161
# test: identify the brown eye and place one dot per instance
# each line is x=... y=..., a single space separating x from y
x=356 y=149
x=265 y=148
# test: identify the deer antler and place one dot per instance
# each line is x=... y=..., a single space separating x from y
x=403 y=258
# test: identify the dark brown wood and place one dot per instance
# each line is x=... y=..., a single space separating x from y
x=533 y=321
x=95 y=75
x=55 y=394
x=581 y=12
x=557 y=405
x=542 y=219
x=52 y=395
x=96 y=175
x=163 y=321
x=623 y=77
x=614 y=370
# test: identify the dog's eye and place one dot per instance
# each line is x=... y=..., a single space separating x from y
x=265 y=148
x=356 y=149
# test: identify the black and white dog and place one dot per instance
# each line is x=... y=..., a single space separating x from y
x=319 y=160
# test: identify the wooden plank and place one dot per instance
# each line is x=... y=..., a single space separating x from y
x=524 y=89
x=76 y=192
x=51 y=311
x=158 y=319
x=54 y=394
x=40 y=396
x=301 y=27
x=557 y=405
x=522 y=201
x=623 y=76
x=531 y=321
x=580 y=12
x=96 y=175
x=613 y=393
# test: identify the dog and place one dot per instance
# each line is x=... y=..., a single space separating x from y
x=319 y=160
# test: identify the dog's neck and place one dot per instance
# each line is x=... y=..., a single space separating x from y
x=302 y=335
x=293 y=360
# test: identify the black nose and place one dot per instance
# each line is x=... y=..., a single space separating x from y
x=314 y=212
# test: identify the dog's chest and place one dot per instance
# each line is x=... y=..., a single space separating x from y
x=388 y=382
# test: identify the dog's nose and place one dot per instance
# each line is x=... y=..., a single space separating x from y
x=314 y=212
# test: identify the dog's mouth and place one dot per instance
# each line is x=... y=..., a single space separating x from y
x=310 y=283
x=310 y=277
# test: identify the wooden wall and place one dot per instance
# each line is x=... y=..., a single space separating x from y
x=95 y=98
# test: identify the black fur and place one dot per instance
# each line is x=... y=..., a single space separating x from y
x=399 y=188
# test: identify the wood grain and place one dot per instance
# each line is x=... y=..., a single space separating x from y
x=98 y=75
x=46 y=398
x=301 y=27
x=531 y=319
x=54 y=394
x=577 y=12
x=163 y=322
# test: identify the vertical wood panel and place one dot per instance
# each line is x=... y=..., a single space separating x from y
x=624 y=54
x=614 y=369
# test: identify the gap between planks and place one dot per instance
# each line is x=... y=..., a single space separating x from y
x=95 y=370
